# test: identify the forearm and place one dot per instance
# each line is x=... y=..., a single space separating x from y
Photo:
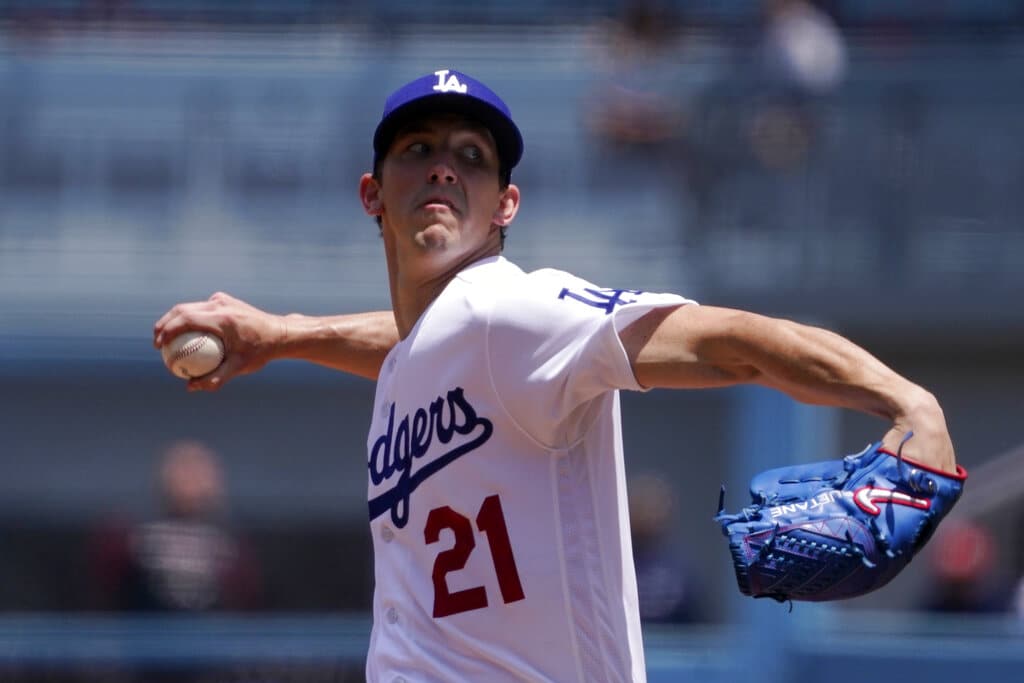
x=817 y=366
x=704 y=346
x=356 y=343
x=820 y=367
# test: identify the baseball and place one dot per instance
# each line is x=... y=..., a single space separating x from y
x=193 y=354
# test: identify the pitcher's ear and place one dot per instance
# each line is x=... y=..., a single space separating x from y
x=508 y=206
x=369 y=195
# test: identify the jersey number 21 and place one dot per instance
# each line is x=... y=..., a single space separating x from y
x=490 y=521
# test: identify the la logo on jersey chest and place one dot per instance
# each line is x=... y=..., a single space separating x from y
x=446 y=83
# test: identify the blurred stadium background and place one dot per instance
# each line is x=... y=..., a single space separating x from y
x=852 y=163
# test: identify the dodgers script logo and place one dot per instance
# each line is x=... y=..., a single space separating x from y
x=395 y=450
x=450 y=85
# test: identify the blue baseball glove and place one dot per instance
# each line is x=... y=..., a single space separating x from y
x=836 y=529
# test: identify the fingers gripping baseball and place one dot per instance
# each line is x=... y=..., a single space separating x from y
x=231 y=367
x=250 y=336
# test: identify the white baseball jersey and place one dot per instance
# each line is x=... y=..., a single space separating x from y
x=497 y=488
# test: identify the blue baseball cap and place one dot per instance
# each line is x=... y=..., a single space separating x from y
x=452 y=91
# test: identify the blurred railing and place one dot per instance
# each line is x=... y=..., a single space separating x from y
x=820 y=642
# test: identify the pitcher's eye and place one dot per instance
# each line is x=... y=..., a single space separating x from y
x=472 y=153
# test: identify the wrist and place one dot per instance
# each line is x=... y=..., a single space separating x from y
x=288 y=334
x=917 y=410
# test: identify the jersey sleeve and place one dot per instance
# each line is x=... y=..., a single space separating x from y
x=553 y=347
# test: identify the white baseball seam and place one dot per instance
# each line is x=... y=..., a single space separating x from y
x=190 y=348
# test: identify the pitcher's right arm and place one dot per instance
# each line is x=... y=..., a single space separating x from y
x=356 y=343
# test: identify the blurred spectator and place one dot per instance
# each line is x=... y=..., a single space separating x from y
x=647 y=107
x=636 y=102
x=962 y=564
x=802 y=47
x=802 y=57
x=185 y=560
x=667 y=590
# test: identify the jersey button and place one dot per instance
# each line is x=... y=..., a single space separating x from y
x=398 y=679
x=387 y=534
x=392 y=615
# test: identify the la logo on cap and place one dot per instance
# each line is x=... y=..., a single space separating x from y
x=450 y=85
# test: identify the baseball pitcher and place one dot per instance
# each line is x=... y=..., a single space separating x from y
x=495 y=478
